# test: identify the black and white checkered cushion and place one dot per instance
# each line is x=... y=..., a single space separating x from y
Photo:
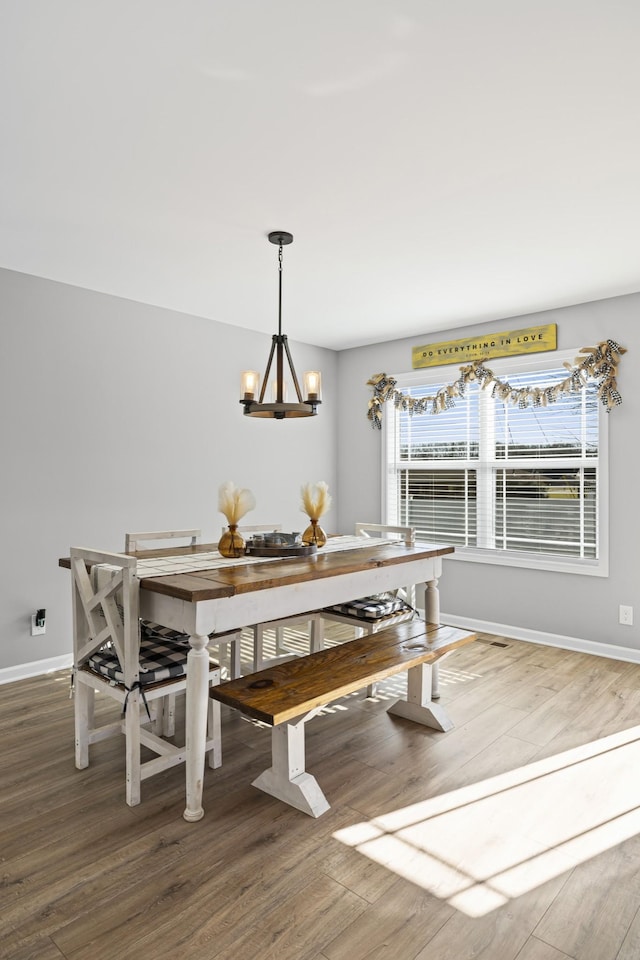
x=371 y=608
x=159 y=660
x=158 y=632
x=154 y=631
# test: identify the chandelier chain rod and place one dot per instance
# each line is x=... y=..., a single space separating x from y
x=280 y=290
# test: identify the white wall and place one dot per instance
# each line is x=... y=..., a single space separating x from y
x=118 y=416
x=564 y=605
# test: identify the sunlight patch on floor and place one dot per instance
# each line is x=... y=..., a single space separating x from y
x=482 y=845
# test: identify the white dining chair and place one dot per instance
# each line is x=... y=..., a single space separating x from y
x=229 y=648
x=369 y=614
x=111 y=656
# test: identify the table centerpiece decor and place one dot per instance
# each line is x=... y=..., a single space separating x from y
x=316 y=501
x=234 y=503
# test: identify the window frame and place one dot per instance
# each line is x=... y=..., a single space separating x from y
x=503 y=368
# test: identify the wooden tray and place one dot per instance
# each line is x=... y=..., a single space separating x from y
x=301 y=550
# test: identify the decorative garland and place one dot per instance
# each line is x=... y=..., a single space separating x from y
x=601 y=364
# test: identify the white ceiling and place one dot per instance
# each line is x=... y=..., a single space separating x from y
x=439 y=162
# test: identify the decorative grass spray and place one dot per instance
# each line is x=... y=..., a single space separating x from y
x=316 y=501
x=234 y=503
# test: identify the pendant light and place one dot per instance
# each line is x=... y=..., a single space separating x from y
x=309 y=397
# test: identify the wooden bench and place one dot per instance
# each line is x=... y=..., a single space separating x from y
x=289 y=694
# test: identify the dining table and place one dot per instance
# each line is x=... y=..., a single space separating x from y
x=195 y=590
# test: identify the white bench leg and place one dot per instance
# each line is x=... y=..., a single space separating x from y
x=287 y=779
x=419 y=706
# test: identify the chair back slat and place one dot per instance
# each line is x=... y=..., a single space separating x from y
x=383 y=530
x=109 y=581
x=106 y=605
x=132 y=540
x=91 y=631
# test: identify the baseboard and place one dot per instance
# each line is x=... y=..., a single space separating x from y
x=38 y=667
x=35 y=669
x=614 y=652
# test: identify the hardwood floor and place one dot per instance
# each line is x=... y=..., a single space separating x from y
x=515 y=836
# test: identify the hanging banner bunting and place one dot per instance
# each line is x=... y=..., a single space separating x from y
x=511 y=343
x=599 y=363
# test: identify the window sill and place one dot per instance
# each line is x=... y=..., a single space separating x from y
x=511 y=558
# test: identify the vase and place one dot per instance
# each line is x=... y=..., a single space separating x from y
x=231 y=543
x=314 y=534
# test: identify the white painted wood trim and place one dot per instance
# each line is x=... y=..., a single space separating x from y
x=611 y=650
x=36 y=668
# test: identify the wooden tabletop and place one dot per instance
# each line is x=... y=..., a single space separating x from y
x=235 y=580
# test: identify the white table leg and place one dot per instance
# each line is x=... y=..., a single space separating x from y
x=287 y=779
x=432 y=615
x=419 y=705
x=196 y=723
x=258 y=647
x=279 y=631
x=235 y=669
x=316 y=634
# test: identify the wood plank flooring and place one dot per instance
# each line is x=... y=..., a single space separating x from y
x=515 y=836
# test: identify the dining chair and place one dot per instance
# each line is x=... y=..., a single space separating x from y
x=312 y=621
x=229 y=646
x=369 y=614
x=111 y=656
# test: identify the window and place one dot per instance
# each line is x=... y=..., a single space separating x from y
x=524 y=486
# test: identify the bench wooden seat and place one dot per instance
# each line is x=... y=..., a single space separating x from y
x=289 y=694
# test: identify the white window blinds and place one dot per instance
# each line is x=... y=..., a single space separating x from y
x=496 y=479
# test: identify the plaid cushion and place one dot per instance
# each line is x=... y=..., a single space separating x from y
x=156 y=631
x=158 y=661
x=372 y=608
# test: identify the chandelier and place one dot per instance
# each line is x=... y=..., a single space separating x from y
x=279 y=408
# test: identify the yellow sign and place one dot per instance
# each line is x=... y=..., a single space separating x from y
x=508 y=344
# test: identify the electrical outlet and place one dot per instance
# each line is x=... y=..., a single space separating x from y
x=626 y=615
x=35 y=629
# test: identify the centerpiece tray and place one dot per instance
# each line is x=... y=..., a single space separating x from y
x=282 y=550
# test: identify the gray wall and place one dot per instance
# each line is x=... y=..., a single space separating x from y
x=565 y=605
x=119 y=416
